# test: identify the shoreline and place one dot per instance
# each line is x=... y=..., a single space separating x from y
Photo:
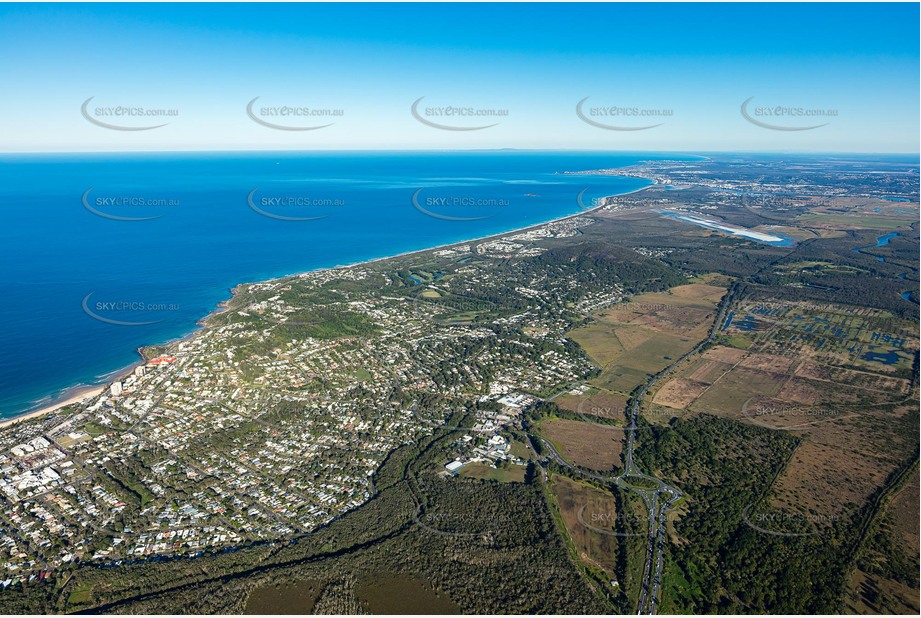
x=77 y=393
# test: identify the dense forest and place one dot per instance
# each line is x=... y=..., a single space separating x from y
x=725 y=565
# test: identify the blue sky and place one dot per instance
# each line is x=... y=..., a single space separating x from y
x=694 y=65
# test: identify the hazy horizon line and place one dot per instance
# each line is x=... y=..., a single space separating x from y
x=504 y=149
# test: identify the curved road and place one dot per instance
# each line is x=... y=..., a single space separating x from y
x=661 y=499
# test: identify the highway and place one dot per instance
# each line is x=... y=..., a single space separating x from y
x=663 y=497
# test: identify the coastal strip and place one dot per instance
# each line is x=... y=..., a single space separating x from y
x=82 y=393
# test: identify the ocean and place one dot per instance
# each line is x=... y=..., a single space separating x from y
x=101 y=254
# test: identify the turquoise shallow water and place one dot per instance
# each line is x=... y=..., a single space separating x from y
x=149 y=244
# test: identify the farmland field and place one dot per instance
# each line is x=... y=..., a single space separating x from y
x=588 y=512
x=599 y=403
x=585 y=444
x=837 y=379
x=633 y=340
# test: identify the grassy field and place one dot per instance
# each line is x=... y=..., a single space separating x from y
x=81 y=594
x=680 y=392
x=361 y=374
x=600 y=341
x=734 y=388
x=67 y=441
x=598 y=403
x=905 y=507
x=856 y=221
x=95 y=430
x=585 y=444
x=585 y=510
x=677 y=591
x=633 y=340
x=478 y=470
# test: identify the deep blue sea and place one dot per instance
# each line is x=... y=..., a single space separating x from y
x=102 y=254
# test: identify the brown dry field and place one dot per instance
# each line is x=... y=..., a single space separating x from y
x=815 y=482
x=699 y=291
x=905 y=507
x=599 y=511
x=586 y=444
x=908 y=597
x=723 y=354
x=760 y=376
x=767 y=362
x=644 y=336
x=684 y=321
x=849 y=447
x=683 y=310
x=776 y=413
x=605 y=405
x=706 y=371
x=726 y=396
x=842 y=460
x=861 y=379
x=679 y=392
x=632 y=336
x=801 y=390
x=850 y=442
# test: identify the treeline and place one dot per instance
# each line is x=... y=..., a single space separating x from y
x=594 y=265
x=869 y=283
x=564 y=274
x=490 y=547
x=726 y=470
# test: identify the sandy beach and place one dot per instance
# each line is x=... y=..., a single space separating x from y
x=78 y=396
